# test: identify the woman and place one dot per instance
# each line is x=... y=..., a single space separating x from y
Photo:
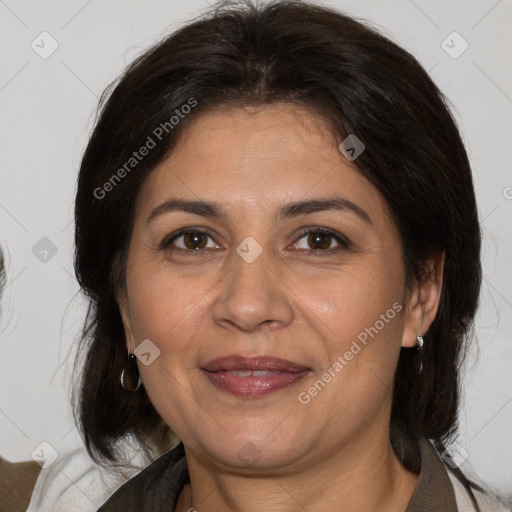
x=277 y=229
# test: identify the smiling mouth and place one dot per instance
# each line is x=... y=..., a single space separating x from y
x=253 y=377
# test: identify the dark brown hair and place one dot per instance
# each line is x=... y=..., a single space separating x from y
x=361 y=83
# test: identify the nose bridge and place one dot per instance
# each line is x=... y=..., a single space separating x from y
x=253 y=294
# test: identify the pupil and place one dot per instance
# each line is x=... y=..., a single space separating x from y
x=317 y=238
x=196 y=239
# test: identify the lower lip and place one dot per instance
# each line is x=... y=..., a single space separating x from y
x=254 y=385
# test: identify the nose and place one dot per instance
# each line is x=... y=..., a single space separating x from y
x=253 y=296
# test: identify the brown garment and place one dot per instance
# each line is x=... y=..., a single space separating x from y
x=157 y=487
x=434 y=491
x=17 y=481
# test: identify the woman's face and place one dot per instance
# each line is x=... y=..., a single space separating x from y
x=253 y=283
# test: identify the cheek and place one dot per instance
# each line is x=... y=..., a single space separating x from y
x=168 y=311
x=351 y=302
x=362 y=321
x=165 y=307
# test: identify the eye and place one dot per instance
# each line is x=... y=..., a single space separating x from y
x=315 y=241
x=191 y=240
x=319 y=241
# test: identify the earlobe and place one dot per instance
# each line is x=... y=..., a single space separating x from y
x=423 y=301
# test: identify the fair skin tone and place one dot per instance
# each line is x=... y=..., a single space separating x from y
x=290 y=302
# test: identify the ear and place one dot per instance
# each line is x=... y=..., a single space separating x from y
x=423 y=300
x=124 y=309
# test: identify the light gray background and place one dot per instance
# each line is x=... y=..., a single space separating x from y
x=47 y=111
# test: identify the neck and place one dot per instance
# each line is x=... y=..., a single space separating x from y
x=364 y=476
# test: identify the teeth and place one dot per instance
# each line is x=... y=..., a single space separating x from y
x=247 y=373
x=240 y=373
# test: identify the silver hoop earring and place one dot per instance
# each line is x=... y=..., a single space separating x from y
x=417 y=363
x=130 y=378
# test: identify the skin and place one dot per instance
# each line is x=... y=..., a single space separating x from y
x=289 y=303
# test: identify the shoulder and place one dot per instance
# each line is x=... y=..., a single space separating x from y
x=155 y=487
x=471 y=496
x=75 y=482
x=441 y=485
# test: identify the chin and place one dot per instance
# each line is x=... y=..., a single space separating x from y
x=258 y=451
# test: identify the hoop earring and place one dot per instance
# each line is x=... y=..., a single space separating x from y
x=417 y=362
x=130 y=378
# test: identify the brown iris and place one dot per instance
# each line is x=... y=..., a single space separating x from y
x=194 y=239
x=320 y=238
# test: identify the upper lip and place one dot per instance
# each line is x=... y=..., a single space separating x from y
x=237 y=362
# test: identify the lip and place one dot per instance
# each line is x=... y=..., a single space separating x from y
x=278 y=374
x=236 y=362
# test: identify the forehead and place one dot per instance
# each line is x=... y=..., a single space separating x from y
x=254 y=139
x=259 y=158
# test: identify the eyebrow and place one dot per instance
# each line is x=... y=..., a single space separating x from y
x=290 y=210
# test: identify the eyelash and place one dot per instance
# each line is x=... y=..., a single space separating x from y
x=343 y=242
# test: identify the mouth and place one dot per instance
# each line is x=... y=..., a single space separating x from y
x=253 y=376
